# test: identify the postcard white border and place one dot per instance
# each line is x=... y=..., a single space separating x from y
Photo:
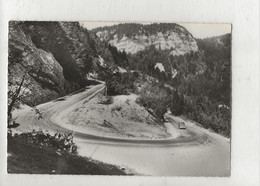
x=244 y=16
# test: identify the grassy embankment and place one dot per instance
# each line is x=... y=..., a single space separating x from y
x=31 y=158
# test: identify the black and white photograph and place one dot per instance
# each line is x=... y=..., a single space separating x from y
x=129 y=93
x=119 y=98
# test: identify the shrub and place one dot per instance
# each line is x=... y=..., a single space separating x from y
x=208 y=115
x=60 y=142
x=155 y=97
x=117 y=108
x=106 y=100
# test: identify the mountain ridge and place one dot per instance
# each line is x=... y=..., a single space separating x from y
x=132 y=37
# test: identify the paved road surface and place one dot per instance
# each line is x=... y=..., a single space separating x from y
x=191 y=152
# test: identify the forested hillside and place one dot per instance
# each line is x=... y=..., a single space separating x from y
x=163 y=63
x=133 y=29
x=197 y=84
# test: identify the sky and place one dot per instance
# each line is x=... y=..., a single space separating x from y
x=196 y=29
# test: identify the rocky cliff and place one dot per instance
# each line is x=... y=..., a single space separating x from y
x=132 y=38
x=55 y=58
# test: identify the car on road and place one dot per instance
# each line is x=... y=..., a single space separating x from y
x=165 y=119
x=181 y=125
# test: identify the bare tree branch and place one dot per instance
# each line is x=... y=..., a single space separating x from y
x=15 y=96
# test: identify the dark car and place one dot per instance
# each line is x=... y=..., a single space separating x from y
x=182 y=125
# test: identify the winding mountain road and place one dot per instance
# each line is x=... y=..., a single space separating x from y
x=191 y=152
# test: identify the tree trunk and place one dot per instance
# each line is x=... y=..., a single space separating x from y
x=15 y=96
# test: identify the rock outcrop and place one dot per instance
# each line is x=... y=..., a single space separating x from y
x=132 y=38
x=44 y=75
x=55 y=56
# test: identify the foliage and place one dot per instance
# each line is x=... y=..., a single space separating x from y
x=28 y=157
x=121 y=83
x=156 y=97
x=177 y=105
x=60 y=142
x=119 y=57
x=208 y=114
x=106 y=100
x=133 y=29
x=204 y=80
x=146 y=60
